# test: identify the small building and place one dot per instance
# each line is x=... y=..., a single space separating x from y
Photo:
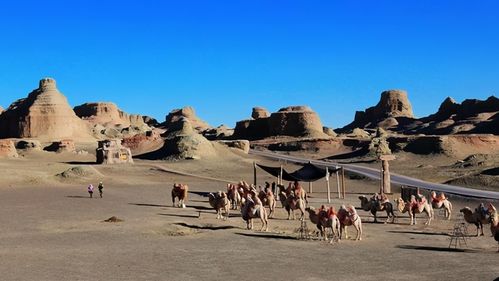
x=61 y=146
x=112 y=152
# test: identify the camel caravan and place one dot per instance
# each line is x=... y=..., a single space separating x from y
x=261 y=204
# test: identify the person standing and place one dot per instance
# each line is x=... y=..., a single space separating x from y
x=101 y=187
x=90 y=190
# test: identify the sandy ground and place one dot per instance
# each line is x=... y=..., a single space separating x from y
x=51 y=230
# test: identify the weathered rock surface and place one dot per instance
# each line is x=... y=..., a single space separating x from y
x=243 y=145
x=107 y=113
x=295 y=121
x=109 y=122
x=144 y=142
x=259 y=112
x=393 y=104
x=151 y=122
x=1 y=110
x=220 y=132
x=7 y=149
x=328 y=131
x=44 y=114
x=188 y=113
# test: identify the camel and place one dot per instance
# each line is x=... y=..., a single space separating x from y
x=292 y=203
x=348 y=216
x=441 y=202
x=179 y=191
x=268 y=199
x=414 y=207
x=325 y=219
x=477 y=218
x=494 y=224
x=234 y=196
x=250 y=210
x=220 y=203
x=374 y=205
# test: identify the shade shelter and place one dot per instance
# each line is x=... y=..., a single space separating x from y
x=308 y=173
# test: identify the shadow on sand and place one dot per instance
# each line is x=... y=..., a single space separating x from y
x=208 y=227
x=77 y=196
x=267 y=236
x=149 y=205
x=420 y=232
x=436 y=249
x=180 y=216
x=81 y=162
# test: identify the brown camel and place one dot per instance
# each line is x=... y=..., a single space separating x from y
x=441 y=202
x=234 y=196
x=313 y=215
x=477 y=218
x=348 y=216
x=179 y=191
x=292 y=203
x=415 y=207
x=494 y=224
x=250 y=210
x=374 y=205
x=220 y=203
x=268 y=199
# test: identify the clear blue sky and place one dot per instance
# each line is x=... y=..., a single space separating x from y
x=224 y=57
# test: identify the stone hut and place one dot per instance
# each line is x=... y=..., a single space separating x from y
x=112 y=152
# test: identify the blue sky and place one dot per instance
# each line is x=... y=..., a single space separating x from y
x=224 y=57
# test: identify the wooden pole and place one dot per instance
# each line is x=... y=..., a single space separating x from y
x=343 y=182
x=328 y=188
x=381 y=180
x=338 y=183
x=310 y=189
x=254 y=173
x=280 y=176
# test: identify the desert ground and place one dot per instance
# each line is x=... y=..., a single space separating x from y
x=52 y=230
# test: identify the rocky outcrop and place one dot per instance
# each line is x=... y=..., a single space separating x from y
x=109 y=122
x=143 y=143
x=220 y=132
x=44 y=114
x=188 y=113
x=7 y=149
x=187 y=143
x=242 y=145
x=328 y=131
x=259 y=112
x=294 y=121
x=1 y=110
x=151 y=122
x=393 y=105
x=107 y=113
x=471 y=116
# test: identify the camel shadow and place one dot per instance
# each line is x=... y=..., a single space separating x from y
x=179 y=216
x=81 y=162
x=267 y=236
x=436 y=249
x=420 y=233
x=202 y=208
x=149 y=205
x=77 y=196
x=205 y=227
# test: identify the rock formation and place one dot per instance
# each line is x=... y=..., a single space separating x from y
x=220 y=132
x=183 y=142
x=151 y=122
x=295 y=121
x=44 y=114
x=259 y=112
x=394 y=104
x=7 y=149
x=1 y=110
x=243 y=145
x=107 y=113
x=109 y=122
x=188 y=113
x=328 y=131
